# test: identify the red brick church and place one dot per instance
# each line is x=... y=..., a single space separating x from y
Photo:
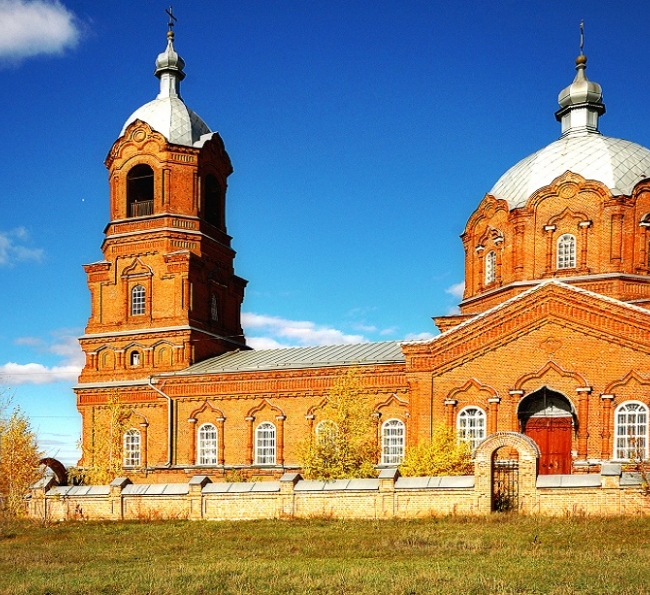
x=552 y=339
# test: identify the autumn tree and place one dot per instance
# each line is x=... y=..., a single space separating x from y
x=102 y=456
x=345 y=442
x=19 y=457
x=444 y=454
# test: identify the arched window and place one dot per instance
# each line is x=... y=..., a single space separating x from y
x=326 y=432
x=265 y=444
x=139 y=191
x=471 y=426
x=214 y=308
x=135 y=358
x=132 y=448
x=490 y=267
x=138 y=305
x=212 y=201
x=631 y=432
x=392 y=442
x=566 y=251
x=207 y=444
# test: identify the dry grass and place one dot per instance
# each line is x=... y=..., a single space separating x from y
x=500 y=554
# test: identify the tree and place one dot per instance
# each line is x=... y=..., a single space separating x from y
x=345 y=444
x=102 y=456
x=19 y=457
x=443 y=455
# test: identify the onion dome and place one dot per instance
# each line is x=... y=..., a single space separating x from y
x=167 y=113
x=582 y=149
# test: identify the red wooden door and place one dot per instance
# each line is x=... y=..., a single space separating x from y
x=553 y=436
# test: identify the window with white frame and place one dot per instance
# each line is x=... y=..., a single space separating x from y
x=132 y=448
x=207 y=445
x=137 y=300
x=490 y=267
x=392 y=442
x=631 y=431
x=265 y=444
x=326 y=432
x=135 y=358
x=471 y=426
x=566 y=251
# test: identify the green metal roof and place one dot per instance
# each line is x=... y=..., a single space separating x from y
x=300 y=357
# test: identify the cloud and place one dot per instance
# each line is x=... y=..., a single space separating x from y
x=33 y=27
x=281 y=332
x=11 y=248
x=456 y=290
x=14 y=374
x=64 y=344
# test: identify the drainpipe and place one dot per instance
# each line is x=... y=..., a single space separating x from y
x=170 y=420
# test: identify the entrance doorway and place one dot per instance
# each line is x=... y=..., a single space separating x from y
x=548 y=418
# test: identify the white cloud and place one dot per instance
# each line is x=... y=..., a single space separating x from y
x=14 y=374
x=456 y=290
x=12 y=249
x=64 y=345
x=281 y=332
x=33 y=27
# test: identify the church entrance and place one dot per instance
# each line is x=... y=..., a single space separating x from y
x=547 y=417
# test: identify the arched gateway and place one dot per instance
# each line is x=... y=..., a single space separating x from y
x=515 y=454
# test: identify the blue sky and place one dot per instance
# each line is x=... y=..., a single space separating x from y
x=363 y=134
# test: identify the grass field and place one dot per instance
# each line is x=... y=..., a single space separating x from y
x=500 y=554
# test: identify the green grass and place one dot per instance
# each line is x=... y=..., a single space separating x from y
x=500 y=554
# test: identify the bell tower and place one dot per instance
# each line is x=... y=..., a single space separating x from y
x=165 y=295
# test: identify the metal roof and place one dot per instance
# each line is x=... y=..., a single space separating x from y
x=300 y=357
x=619 y=164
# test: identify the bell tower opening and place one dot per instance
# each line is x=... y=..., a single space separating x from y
x=548 y=417
x=139 y=191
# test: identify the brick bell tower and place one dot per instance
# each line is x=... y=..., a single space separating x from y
x=165 y=294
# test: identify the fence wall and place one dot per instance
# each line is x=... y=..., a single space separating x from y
x=387 y=497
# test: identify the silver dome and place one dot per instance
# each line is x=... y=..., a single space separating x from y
x=582 y=149
x=168 y=113
x=619 y=164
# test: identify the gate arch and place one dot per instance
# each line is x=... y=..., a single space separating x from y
x=528 y=456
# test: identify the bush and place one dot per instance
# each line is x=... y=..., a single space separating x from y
x=443 y=455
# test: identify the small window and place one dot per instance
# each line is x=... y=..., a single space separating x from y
x=265 y=444
x=138 y=300
x=139 y=191
x=566 y=251
x=392 y=442
x=132 y=448
x=471 y=426
x=490 y=267
x=207 y=445
x=214 y=308
x=326 y=433
x=212 y=201
x=135 y=358
x=631 y=439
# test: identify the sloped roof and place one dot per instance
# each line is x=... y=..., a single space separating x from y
x=300 y=357
x=523 y=295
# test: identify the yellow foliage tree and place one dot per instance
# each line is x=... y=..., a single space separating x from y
x=443 y=455
x=103 y=455
x=19 y=457
x=346 y=444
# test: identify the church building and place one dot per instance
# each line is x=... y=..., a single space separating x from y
x=552 y=340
